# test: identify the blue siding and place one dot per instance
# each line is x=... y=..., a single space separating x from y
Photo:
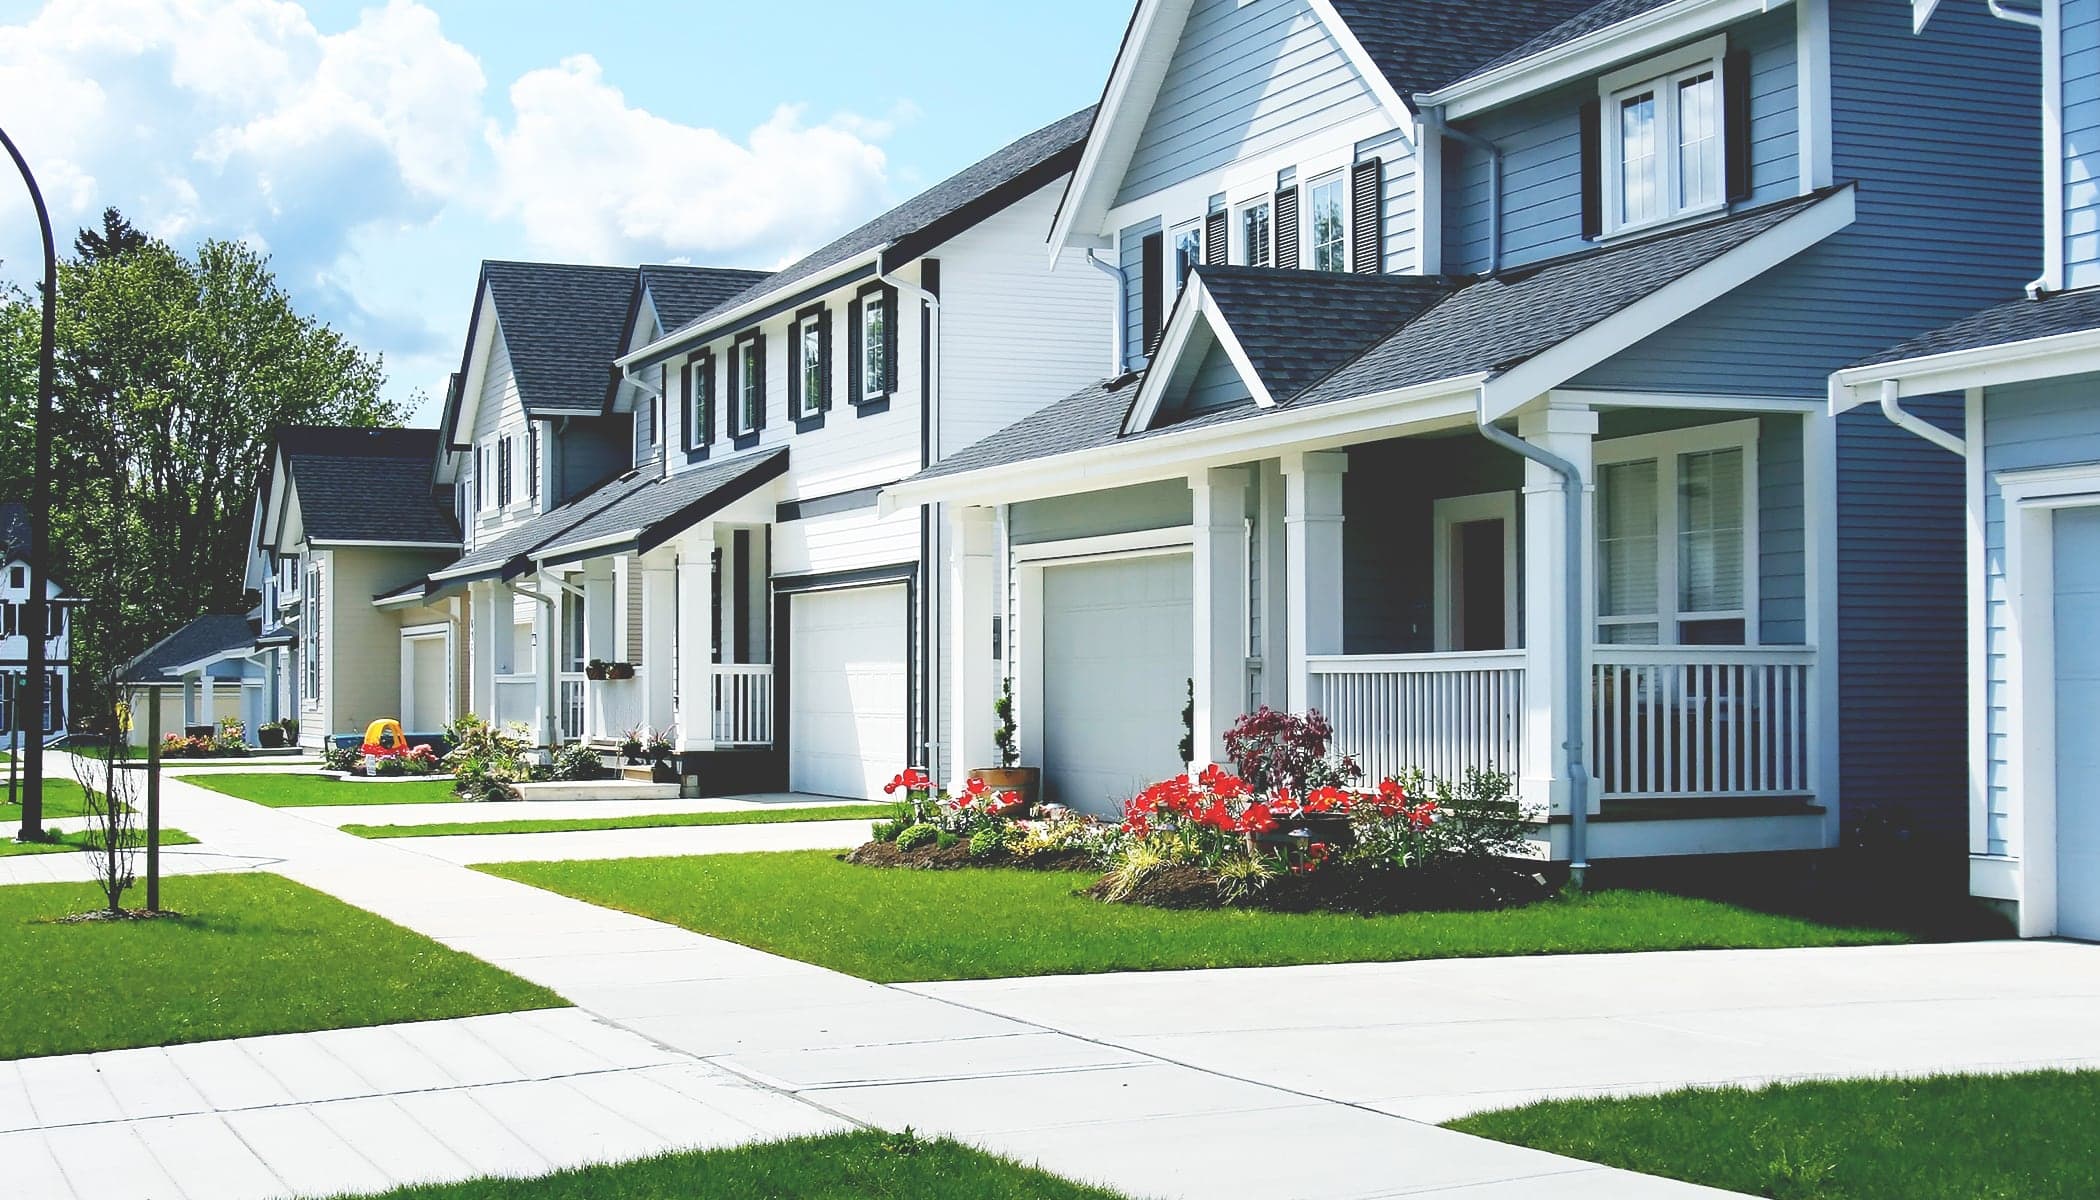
x=1216 y=385
x=1130 y=256
x=2081 y=149
x=1389 y=502
x=2043 y=424
x=1397 y=162
x=1247 y=77
x=1541 y=143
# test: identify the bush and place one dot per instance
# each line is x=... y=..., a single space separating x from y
x=577 y=763
x=918 y=835
x=487 y=763
x=1273 y=750
x=338 y=758
x=985 y=840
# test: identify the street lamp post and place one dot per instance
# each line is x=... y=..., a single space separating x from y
x=36 y=613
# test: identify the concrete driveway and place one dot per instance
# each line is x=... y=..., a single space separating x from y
x=1436 y=1040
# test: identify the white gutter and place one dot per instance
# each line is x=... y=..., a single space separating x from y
x=1892 y=408
x=671 y=341
x=2017 y=17
x=1115 y=325
x=563 y=551
x=1433 y=119
x=1982 y=366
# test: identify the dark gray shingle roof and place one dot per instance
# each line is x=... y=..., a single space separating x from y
x=207 y=635
x=682 y=293
x=1484 y=325
x=1421 y=45
x=563 y=325
x=2015 y=321
x=1041 y=155
x=366 y=485
x=505 y=556
x=1296 y=326
x=663 y=507
x=1590 y=19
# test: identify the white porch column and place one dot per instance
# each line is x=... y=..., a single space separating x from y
x=481 y=649
x=189 y=702
x=1312 y=532
x=1567 y=431
x=972 y=675
x=659 y=616
x=599 y=598
x=696 y=639
x=1220 y=606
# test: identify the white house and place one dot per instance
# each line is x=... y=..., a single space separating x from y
x=14 y=643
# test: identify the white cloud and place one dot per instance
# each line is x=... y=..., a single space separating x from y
x=590 y=177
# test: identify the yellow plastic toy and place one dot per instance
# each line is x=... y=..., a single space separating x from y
x=386 y=727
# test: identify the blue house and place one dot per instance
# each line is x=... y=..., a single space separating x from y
x=2027 y=372
x=1472 y=367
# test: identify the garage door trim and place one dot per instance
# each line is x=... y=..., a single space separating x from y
x=787 y=587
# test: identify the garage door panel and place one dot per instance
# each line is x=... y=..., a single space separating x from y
x=1117 y=654
x=847 y=691
x=2077 y=567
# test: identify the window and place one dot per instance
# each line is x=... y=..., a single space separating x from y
x=874 y=348
x=1663 y=127
x=750 y=384
x=1188 y=253
x=310 y=632
x=10 y=618
x=1255 y=248
x=503 y=471
x=700 y=401
x=18 y=577
x=1327 y=223
x=812 y=364
x=1675 y=543
x=480 y=472
x=532 y=463
x=572 y=634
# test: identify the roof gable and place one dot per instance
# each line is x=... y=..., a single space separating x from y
x=364 y=485
x=680 y=294
x=1422 y=45
x=563 y=326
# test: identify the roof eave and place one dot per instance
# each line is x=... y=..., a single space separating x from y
x=849 y=271
x=2022 y=361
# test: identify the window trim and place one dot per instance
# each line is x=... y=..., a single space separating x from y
x=1240 y=212
x=1661 y=73
x=1174 y=282
x=750 y=373
x=1309 y=246
x=699 y=380
x=1667 y=448
x=808 y=410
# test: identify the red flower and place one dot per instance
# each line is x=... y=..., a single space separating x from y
x=1257 y=819
x=911 y=780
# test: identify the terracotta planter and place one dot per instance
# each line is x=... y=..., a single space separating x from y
x=1027 y=781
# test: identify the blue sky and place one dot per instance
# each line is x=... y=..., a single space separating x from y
x=378 y=152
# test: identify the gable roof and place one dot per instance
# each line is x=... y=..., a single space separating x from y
x=366 y=485
x=903 y=233
x=1421 y=45
x=1580 y=20
x=563 y=325
x=205 y=637
x=645 y=517
x=1481 y=330
x=1296 y=326
x=682 y=293
x=2020 y=320
x=508 y=556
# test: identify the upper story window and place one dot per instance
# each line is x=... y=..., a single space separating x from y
x=747 y=385
x=1188 y=253
x=1256 y=247
x=18 y=577
x=874 y=349
x=700 y=401
x=310 y=634
x=504 y=455
x=811 y=382
x=1664 y=127
x=1676 y=541
x=1327 y=223
x=871 y=324
x=532 y=463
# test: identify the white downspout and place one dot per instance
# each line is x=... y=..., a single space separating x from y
x=1892 y=408
x=2017 y=17
x=1115 y=325
x=1433 y=119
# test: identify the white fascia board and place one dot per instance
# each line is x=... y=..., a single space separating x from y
x=674 y=340
x=1591 y=54
x=1438 y=404
x=1134 y=81
x=1193 y=309
x=1389 y=97
x=485 y=329
x=352 y=544
x=1543 y=372
x=543 y=553
x=2050 y=357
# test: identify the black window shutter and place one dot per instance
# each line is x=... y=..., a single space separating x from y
x=853 y=355
x=1592 y=169
x=1151 y=287
x=708 y=403
x=824 y=358
x=1735 y=122
x=1286 y=229
x=1367 y=216
x=758 y=359
x=532 y=462
x=794 y=356
x=734 y=392
x=889 y=340
x=1214 y=250
x=692 y=399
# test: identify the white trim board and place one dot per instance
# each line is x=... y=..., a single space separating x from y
x=2051 y=357
x=1446 y=514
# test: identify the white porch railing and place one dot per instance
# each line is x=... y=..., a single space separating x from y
x=570 y=699
x=517 y=699
x=1442 y=713
x=743 y=703
x=1701 y=721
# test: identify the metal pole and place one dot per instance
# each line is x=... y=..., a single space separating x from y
x=152 y=798
x=37 y=612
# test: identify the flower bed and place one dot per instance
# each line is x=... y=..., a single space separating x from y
x=983 y=827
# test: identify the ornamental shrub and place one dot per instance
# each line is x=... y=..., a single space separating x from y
x=916 y=836
x=986 y=840
x=1273 y=750
x=338 y=758
x=887 y=831
x=487 y=763
x=577 y=762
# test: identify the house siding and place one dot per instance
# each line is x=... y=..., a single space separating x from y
x=1246 y=78
x=1215 y=385
x=1401 y=215
x=2042 y=424
x=1162 y=505
x=1388 y=504
x=2081 y=148
x=1130 y=258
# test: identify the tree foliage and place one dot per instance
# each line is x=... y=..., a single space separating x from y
x=173 y=370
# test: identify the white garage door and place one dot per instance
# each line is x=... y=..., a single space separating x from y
x=2077 y=723
x=1117 y=655
x=847 y=696
x=424 y=711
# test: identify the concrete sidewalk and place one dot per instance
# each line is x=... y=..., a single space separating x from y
x=890 y=1056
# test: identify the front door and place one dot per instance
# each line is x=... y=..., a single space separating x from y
x=1475 y=572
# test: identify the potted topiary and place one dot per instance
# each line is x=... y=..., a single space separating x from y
x=1009 y=775
x=596 y=669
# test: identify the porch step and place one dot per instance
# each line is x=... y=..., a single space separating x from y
x=599 y=789
x=638 y=774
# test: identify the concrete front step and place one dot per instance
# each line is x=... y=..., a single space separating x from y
x=599 y=789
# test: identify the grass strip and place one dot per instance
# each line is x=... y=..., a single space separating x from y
x=317 y=791
x=742 y=816
x=75 y=842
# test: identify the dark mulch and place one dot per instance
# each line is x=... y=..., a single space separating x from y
x=935 y=857
x=1342 y=887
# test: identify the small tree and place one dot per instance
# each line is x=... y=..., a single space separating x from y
x=1003 y=733
x=1273 y=749
x=110 y=788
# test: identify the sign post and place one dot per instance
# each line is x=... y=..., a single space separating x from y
x=152 y=797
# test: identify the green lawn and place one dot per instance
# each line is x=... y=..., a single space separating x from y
x=62 y=798
x=896 y=926
x=849 y=1166
x=74 y=842
x=311 y=791
x=745 y=816
x=252 y=954
x=2011 y=1137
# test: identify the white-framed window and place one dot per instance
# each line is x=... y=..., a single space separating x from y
x=506 y=457
x=1187 y=249
x=700 y=401
x=310 y=633
x=1327 y=223
x=572 y=625
x=1677 y=537
x=1256 y=239
x=1663 y=131
x=874 y=347
x=18 y=577
x=750 y=383
x=810 y=362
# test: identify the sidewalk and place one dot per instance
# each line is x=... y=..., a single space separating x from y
x=890 y=1057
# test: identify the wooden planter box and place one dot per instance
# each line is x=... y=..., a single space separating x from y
x=1027 y=781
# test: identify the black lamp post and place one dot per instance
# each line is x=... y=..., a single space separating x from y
x=37 y=612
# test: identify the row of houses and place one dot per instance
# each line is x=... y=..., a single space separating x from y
x=1540 y=387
